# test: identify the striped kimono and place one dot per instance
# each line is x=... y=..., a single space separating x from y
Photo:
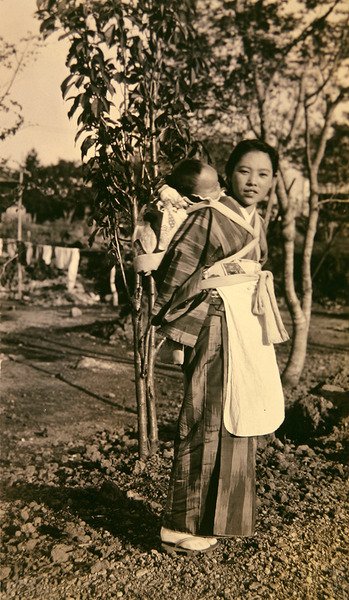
x=212 y=487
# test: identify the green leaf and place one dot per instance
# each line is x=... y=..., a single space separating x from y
x=95 y=107
x=86 y=144
x=48 y=26
x=109 y=35
x=74 y=105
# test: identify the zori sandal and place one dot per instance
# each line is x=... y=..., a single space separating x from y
x=177 y=548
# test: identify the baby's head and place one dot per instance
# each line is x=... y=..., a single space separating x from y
x=191 y=177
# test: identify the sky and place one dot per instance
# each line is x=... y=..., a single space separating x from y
x=37 y=88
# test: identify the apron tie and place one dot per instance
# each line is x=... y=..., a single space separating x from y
x=265 y=305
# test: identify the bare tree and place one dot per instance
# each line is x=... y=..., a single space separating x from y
x=278 y=72
x=13 y=59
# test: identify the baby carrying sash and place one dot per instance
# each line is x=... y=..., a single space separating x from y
x=219 y=275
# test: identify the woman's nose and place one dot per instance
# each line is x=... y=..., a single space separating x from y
x=252 y=179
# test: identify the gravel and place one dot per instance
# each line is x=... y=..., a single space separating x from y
x=82 y=522
x=80 y=514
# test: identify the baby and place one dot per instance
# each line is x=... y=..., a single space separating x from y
x=192 y=177
x=190 y=181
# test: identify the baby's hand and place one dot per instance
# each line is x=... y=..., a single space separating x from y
x=169 y=194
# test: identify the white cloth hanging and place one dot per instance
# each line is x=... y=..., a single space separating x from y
x=68 y=258
x=73 y=267
x=62 y=257
x=47 y=254
x=12 y=248
x=113 y=289
x=29 y=251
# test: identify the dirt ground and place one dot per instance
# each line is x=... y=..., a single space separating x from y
x=81 y=513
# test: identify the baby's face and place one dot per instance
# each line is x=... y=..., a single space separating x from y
x=207 y=184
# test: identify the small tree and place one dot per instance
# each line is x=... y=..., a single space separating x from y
x=132 y=67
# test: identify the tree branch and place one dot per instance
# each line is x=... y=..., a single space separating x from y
x=299 y=106
x=334 y=201
x=14 y=74
x=327 y=124
x=257 y=133
x=306 y=32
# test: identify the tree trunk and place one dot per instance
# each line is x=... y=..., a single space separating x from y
x=150 y=386
x=138 y=348
x=150 y=342
x=68 y=215
x=327 y=250
x=307 y=284
x=295 y=363
x=269 y=209
x=296 y=359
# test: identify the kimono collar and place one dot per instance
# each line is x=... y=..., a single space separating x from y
x=241 y=209
x=248 y=216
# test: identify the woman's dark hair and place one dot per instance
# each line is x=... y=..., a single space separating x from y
x=243 y=148
x=184 y=175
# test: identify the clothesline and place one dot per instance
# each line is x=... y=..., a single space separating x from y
x=66 y=258
x=54 y=245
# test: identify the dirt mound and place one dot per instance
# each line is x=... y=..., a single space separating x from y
x=317 y=413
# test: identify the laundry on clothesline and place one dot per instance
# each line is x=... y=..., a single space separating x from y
x=29 y=253
x=64 y=258
x=47 y=254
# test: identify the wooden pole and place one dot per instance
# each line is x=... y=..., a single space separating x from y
x=19 y=236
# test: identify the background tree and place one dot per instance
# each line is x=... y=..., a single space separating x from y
x=278 y=72
x=13 y=59
x=132 y=68
x=333 y=201
x=334 y=166
x=55 y=191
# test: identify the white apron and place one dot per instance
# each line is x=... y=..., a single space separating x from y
x=254 y=402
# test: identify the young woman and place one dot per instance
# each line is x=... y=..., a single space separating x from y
x=215 y=300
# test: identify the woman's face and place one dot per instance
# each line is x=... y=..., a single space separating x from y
x=252 y=178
